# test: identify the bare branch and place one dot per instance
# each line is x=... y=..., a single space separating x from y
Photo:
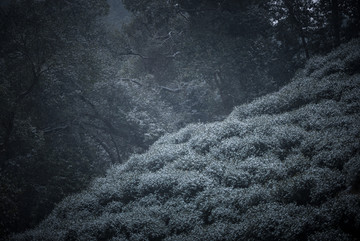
x=34 y=81
x=199 y=10
x=170 y=89
x=57 y=128
x=102 y=143
x=116 y=147
x=182 y=15
x=173 y=55
x=167 y=36
x=134 y=54
x=108 y=126
x=131 y=80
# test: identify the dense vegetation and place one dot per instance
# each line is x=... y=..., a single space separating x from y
x=284 y=167
x=79 y=93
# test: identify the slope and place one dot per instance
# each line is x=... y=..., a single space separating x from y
x=285 y=167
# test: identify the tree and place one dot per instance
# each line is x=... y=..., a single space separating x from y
x=320 y=25
x=220 y=43
x=36 y=121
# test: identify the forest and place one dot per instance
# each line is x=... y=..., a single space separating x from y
x=180 y=120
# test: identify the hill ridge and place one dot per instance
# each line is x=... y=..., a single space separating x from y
x=284 y=167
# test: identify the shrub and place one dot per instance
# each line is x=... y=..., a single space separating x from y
x=285 y=167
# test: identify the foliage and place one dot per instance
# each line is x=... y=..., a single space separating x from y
x=180 y=49
x=284 y=167
x=239 y=49
x=319 y=25
x=76 y=96
x=43 y=156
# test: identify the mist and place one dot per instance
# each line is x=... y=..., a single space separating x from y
x=179 y=120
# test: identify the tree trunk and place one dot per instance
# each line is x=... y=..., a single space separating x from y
x=304 y=44
x=10 y=118
x=9 y=129
x=298 y=25
x=358 y=18
x=335 y=21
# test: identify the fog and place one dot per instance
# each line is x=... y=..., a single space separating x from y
x=179 y=120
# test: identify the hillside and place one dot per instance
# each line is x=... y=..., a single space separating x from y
x=284 y=167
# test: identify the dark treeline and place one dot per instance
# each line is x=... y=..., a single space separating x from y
x=77 y=96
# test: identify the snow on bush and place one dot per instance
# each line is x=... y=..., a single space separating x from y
x=285 y=167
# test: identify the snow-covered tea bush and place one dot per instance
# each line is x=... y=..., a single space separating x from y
x=285 y=167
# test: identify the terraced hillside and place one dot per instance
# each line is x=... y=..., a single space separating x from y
x=285 y=167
